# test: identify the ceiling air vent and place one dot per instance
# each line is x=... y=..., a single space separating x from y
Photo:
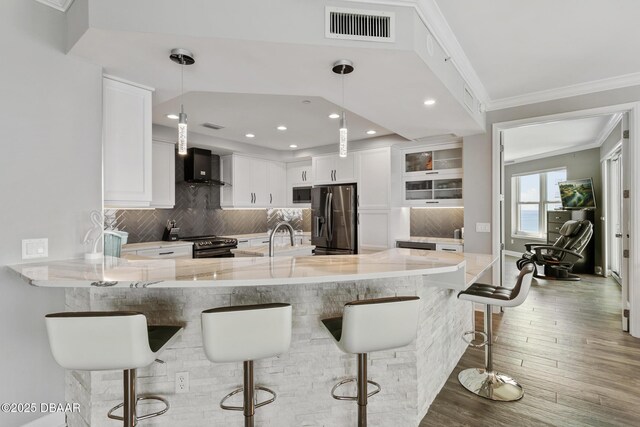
x=365 y=25
x=212 y=126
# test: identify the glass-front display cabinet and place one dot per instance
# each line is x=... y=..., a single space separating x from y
x=433 y=191
x=433 y=161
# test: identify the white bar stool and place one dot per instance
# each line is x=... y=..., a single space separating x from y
x=486 y=382
x=110 y=340
x=246 y=333
x=372 y=325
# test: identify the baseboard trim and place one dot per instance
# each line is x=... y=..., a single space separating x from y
x=56 y=419
x=512 y=253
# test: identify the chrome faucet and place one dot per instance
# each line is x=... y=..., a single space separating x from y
x=273 y=235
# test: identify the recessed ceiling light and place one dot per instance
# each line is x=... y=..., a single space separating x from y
x=250 y=135
x=306 y=101
x=172 y=116
x=371 y=132
x=334 y=116
x=430 y=101
x=293 y=146
x=281 y=127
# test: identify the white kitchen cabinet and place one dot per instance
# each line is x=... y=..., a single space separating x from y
x=442 y=190
x=379 y=229
x=299 y=174
x=260 y=241
x=259 y=173
x=163 y=171
x=255 y=183
x=373 y=231
x=432 y=160
x=243 y=243
x=448 y=247
x=167 y=253
x=127 y=147
x=277 y=184
x=333 y=169
x=374 y=178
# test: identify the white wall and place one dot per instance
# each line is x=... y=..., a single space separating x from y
x=50 y=178
x=476 y=163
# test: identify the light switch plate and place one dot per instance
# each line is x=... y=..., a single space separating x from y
x=483 y=227
x=35 y=248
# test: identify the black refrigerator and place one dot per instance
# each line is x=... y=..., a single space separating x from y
x=334 y=219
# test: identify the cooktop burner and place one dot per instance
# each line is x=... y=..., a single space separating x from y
x=211 y=241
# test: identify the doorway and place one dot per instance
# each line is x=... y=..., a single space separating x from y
x=624 y=214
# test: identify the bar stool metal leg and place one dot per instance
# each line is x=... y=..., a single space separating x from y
x=129 y=404
x=486 y=382
x=248 y=392
x=362 y=390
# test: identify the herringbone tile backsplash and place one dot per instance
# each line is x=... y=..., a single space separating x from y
x=197 y=212
x=439 y=222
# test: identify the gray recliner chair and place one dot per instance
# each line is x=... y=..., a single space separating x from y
x=558 y=259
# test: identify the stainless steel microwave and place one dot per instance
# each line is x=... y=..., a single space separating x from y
x=301 y=194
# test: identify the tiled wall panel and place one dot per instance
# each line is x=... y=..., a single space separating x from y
x=197 y=212
x=440 y=222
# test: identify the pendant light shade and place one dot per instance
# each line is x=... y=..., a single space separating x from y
x=344 y=134
x=182 y=132
x=182 y=57
x=342 y=67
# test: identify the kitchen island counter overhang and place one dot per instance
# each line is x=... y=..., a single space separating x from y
x=133 y=271
x=177 y=291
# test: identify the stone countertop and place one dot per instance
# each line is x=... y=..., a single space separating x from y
x=279 y=250
x=444 y=240
x=132 y=247
x=264 y=235
x=134 y=271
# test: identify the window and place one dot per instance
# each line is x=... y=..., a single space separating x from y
x=533 y=195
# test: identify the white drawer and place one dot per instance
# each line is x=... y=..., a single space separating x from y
x=177 y=252
x=448 y=247
x=260 y=242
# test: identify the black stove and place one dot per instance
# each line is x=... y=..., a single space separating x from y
x=212 y=246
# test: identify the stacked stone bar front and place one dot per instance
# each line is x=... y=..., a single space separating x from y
x=410 y=377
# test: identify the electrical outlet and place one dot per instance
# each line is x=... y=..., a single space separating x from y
x=35 y=248
x=182 y=382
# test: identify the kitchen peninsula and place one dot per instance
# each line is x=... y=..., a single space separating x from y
x=176 y=291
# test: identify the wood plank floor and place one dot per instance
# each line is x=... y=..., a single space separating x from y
x=565 y=346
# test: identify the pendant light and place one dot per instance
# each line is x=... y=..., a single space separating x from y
x=342 y=67
x=182 y=57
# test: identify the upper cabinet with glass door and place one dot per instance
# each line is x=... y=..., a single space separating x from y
x=443 y=159
x=445 y=190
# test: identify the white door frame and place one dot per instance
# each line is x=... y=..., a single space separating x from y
x=634 y=175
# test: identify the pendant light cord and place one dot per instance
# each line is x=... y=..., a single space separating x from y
x=182 y=84
x=342 y=73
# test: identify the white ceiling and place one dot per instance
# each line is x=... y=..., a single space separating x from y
x=388 y=86
x=520 y=47
x=308 y=124
x=546 y=139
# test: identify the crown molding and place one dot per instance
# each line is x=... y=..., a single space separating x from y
x=617 y=82
x=61 y=5
x=432 y=17
x=608 y=128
